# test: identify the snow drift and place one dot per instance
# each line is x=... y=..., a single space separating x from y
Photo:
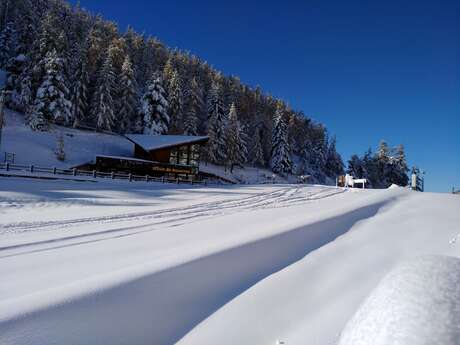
x=418 y=303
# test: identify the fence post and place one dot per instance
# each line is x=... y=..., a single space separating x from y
x=146 y=178
x=94 y=173
x=112 y=175
x=130 y=177
x=163 y=179
x=31 y=168
x=54 y=170
x=7 y=166
x=177 y=180
x=74 y=172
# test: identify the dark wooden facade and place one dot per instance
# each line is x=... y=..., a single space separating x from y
x=140 y=167
x=173 y=156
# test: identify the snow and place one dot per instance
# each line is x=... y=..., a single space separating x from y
x=38 y=148
x=155 y=142
x=126 y=158
x=120 y=263
x=417 y=303
x=247 y=175
x=311 y=300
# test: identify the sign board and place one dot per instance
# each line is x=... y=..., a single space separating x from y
x=9 y=157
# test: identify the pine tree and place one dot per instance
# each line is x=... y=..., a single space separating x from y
x=399 y=167
x=154 y=108
x=257 y=152
x=25 y=99
x=129 y=99
x=383 y=164
x=334 y=164
x=217 y=148
x=355 y=167
x=236 y=147
x=370 y=169
x=194 y=107
x=103 y=104
x=16 y=72
x=8 y=44
x=280 y=157
x=80 y=93
x=175 y=98
x=51 y=102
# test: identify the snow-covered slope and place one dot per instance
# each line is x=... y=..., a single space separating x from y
x=38 y=148
x=417 y=303
x=111 y=263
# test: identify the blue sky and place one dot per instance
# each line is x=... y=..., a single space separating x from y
x=368 y=70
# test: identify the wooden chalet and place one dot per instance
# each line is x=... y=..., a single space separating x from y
x=157 y=155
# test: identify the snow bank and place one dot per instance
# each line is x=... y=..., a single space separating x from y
x=417 y=303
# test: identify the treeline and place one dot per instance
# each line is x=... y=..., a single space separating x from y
x=69 y=67
x=382 y=168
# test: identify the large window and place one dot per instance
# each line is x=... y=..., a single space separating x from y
x=185 y=155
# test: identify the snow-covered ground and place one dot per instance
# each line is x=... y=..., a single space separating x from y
x=417 y=303
x=38 y=148
x=120 y=263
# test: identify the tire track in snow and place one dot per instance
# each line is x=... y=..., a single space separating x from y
x=173 y=217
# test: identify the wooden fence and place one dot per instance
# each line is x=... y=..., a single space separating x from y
x=33 y=169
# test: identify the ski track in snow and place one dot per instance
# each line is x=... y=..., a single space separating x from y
x=284 y=197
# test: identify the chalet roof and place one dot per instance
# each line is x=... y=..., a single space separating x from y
x=126 y=158
x=155 y=142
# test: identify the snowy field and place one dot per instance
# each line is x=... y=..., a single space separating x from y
x=120 y=263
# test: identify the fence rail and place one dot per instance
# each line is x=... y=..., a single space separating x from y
x=33 y=169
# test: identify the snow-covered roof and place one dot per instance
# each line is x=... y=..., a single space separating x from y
x=155 y=142
x=126 y=158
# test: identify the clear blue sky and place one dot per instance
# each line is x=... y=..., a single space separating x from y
x=368 y=70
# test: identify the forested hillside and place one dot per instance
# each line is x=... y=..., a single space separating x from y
x=67 y=66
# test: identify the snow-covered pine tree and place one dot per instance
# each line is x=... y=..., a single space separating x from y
x=103 y=106
x=80 y=93
x=51 y=101
x=8 y=44
x=257 y=152
x=355 y=167
x=25 y=99
x=334 y=164
x=129 y=109
x=383 y=164
x=280 y=156
x=16 y=71
x=194 y=107
x=216 y=148
x=175 y=98
x=399 y=167
x=370 y=168
x=168 y=71
x=154 y=107
x=236 y=148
